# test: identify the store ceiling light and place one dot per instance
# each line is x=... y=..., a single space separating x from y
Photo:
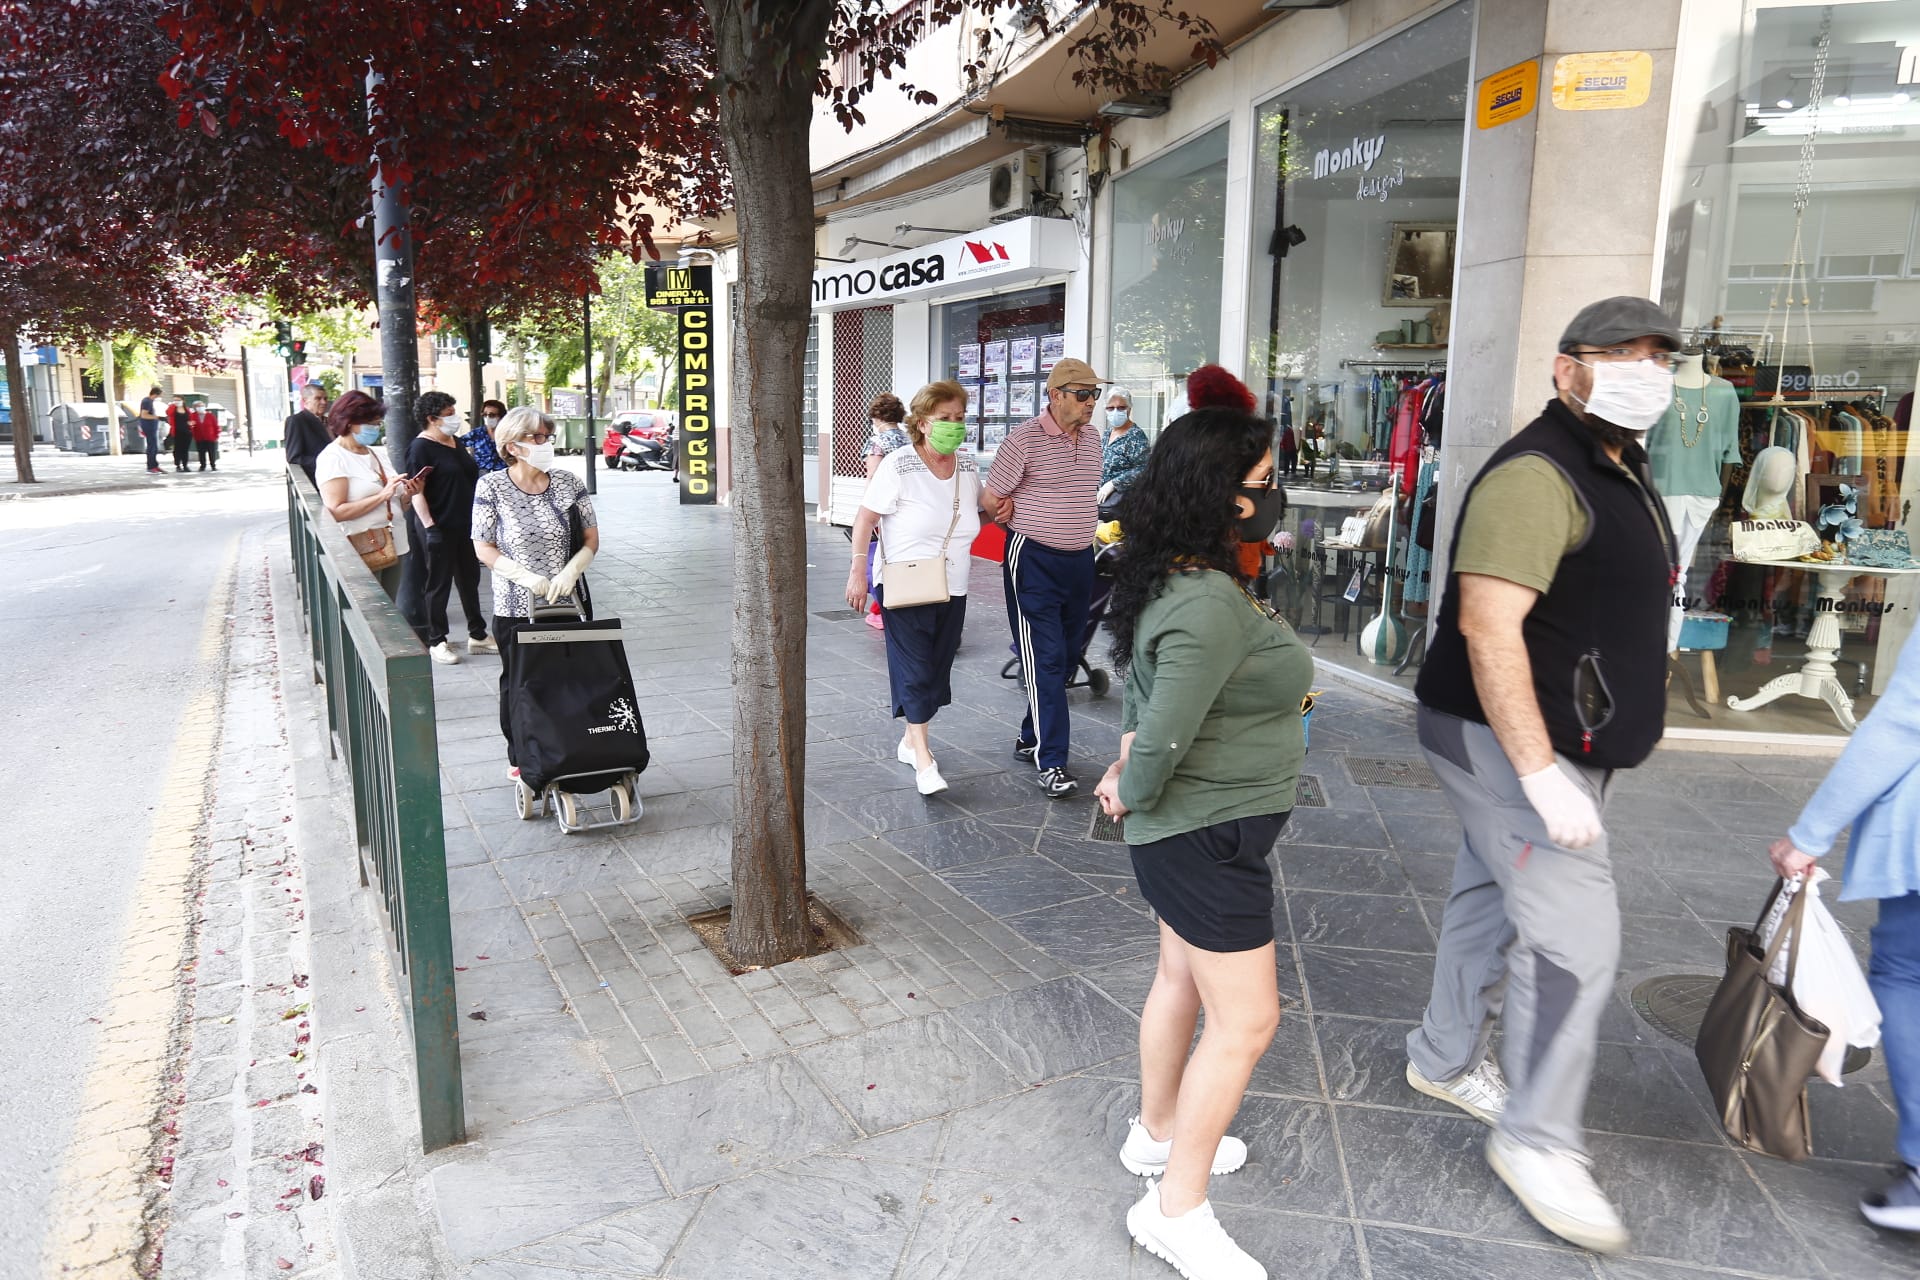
x=1903 y=97
x=1142 y=106
x=1785 y=104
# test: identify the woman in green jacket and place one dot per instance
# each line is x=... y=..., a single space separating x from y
x=1211 y=748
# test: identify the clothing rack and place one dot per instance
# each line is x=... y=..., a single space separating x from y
x=1397 y=366
x=1735 y=338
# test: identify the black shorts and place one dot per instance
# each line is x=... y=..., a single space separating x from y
x=1214 y=886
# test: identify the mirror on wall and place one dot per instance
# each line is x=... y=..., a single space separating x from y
x=1419 y=264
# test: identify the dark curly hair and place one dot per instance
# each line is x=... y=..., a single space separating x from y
x=429 y=406
x=1181 y=511
x=886 y=407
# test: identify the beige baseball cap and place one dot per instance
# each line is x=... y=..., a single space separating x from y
x=1069 y=372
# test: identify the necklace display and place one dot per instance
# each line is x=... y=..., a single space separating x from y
x=1699 y=417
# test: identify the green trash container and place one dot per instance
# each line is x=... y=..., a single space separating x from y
x=572 y=434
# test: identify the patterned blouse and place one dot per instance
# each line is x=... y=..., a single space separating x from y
x=483 y=451
x=1123 y=459
x=885 y=442
x=530 y=528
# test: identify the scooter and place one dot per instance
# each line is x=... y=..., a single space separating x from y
x=648 y=452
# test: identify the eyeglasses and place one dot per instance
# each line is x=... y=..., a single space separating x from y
x=1665 y=361
x=545 y=437
x=1082 y=394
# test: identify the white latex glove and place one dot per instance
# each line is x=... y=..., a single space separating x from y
x=513 y=571
x=1106 y=491
x=1572 y=820
x=563 y=582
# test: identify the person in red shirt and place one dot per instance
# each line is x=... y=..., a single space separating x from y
x=206 y=437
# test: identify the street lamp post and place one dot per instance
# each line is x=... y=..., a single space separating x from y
x=586 y=345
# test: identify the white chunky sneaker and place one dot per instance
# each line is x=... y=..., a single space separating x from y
x=1558 y=1189
x=928 y=780
x=444 y=654
x=1144 y=1156
x=1194 y=1244
x=904 y=754
x=1481 y=1092
x=482 y=644
x=1895 y=1206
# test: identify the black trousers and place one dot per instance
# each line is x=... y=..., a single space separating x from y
x=449 y=565
x=209 y=451
x=503 y=629
x=182 y=450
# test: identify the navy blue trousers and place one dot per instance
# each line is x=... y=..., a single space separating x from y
x=1048 y=593
x=921 y=642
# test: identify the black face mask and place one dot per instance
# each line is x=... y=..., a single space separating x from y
x=1269 y=509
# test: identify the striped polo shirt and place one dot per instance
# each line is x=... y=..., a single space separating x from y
x=1053 y=479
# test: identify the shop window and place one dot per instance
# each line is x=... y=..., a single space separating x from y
x=810 y=394
x=1001 y=348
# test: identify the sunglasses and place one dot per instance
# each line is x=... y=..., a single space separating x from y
x=1082 y=394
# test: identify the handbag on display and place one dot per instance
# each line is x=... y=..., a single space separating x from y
x=1773 y=540
x=1756 y=1047
x=906 y=583
x=1379 y=520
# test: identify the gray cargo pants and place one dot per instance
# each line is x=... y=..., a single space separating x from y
x=1528 y=924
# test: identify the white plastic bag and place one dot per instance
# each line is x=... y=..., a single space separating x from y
x=1827 y=982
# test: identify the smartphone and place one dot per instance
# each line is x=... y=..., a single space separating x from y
x=421 y=474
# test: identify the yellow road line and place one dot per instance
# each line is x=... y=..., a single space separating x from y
x=96 y=1225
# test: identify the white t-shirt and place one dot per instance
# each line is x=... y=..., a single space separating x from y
x=915 y=508
x=366 y=474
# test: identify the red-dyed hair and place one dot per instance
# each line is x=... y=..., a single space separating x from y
x=1212 y=387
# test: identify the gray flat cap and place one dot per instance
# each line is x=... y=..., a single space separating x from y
x=1612 y=321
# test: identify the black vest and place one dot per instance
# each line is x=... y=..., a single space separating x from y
x=1597 y=639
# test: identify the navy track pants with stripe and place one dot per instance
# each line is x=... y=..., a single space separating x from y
x=1048 y=593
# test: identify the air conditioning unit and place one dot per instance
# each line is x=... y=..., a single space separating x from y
x=1015 y=181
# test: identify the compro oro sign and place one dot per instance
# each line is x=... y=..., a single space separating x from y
x=695 y=450
x=1006 y=254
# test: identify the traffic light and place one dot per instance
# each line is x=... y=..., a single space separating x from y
x=297 y=351
x=283 y=339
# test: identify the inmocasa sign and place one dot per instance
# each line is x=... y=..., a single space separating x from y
x=1008 y=251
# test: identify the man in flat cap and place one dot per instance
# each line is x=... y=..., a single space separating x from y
x=1547 y=672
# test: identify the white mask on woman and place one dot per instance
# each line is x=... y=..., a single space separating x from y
x=455 y=425
x=538 y=456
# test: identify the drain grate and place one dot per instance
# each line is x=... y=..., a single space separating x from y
x=836 y=615
x=1676 y=1004
x=1105 y=828
x=1386 y=771
x=1309 y=794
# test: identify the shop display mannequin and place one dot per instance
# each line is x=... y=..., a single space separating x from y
x=1694 y=449
x=1770 y=483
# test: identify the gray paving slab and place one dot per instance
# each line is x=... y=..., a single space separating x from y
x=721 y=1125
x=826 y=1218
x=909 y=1071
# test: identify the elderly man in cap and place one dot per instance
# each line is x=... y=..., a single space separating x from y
x=1043 y=485
x=1546 y=673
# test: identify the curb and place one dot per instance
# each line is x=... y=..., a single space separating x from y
x=384 y=1221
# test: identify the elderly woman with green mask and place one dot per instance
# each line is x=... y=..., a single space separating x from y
x=925 y=503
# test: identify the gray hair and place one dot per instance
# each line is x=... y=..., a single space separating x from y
x=518 y=425
x=1120 y=393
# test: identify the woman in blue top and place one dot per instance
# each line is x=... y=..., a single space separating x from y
x=1875 y=787
x=1124 y=454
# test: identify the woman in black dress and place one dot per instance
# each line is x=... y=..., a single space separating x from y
x=444 y=510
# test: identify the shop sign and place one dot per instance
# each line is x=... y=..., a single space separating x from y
x=675 y=286
x=1508 y=95
x=1602 y=81
x=1358 y=154
x=695 y=448
x=1010 y=248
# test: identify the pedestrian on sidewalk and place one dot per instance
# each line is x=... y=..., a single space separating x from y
x=522 y=531
x=925 y=501
x=485 y=454
x=206 y=437
x=444 y=511
x=1124 y=455
x=1547 y=672
x=179 y=433
x=359 y=491
x=1210 y=753
x=1875 y=788
x=305 y=433
x=884 y=435
x=151 y=408
x=1044 y=484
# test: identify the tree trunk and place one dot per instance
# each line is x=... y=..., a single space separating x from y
x=20 y=404
x=609 y=353
x=766 y=112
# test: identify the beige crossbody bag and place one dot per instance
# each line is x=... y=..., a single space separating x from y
x=906 y=583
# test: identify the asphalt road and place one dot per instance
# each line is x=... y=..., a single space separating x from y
x=103 y=598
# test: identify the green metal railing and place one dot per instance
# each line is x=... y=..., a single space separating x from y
x=380 y=721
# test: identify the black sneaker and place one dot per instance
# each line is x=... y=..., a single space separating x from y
x=1024 y=750
x=1057 y=783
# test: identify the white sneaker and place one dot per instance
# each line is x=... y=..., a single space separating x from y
x=1144 y=1156
x=482 y=644
x=1558 y=1189
x=1194 y=1244
x=1481 y=1092
x=928 y=780
x=443 y=653
x=904 y=754
x=1895 y=1206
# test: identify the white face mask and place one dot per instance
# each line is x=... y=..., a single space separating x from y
x=1117 y=418
x=454 y=425
x=1629 y=393
x=538 y=456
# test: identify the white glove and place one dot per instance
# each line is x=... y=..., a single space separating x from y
x=1572 y=820
x=1106 y=491
x=513 y=571
x=564 y=581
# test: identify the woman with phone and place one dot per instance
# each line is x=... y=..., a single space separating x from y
x=354 y=482
x=444 y=511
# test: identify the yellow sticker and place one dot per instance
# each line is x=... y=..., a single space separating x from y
x=1602 y=81
x=1508 y=95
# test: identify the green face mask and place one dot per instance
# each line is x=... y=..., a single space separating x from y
x=945 y=437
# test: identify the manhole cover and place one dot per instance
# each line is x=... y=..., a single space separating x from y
x=836 y=615
x=1676 y=1003
x=1105 y=828
x=1308 y=794
x=1385 y=771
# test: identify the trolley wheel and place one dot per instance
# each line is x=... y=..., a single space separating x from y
x=1012 y=670
x=622 y=801
x=523 y=799
x=568 y=810
x=1098 y=682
